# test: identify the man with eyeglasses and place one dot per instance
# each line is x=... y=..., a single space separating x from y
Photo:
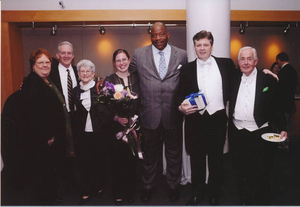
x=253 y=106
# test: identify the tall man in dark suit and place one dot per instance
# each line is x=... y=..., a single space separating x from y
x=59 y=75
x=253 y=105
x=157 y=66
x=205 y=130
x=286 y=88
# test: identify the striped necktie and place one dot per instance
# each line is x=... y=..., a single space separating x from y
x=70 y=87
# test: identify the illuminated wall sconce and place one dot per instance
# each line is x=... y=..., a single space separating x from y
x=242 y=29
x=102 y=31
x=54 y=30
x=287 y=29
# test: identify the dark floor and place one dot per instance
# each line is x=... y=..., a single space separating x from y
x=285 y=185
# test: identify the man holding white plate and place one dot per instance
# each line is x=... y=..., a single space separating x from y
x=253 y=107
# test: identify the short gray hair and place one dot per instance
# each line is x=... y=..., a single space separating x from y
x=64 y=43
x=248 y=47
x=86 y=64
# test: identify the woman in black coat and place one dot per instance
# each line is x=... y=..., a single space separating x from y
x=47 y=136
x=123 y=161
x=91 y=120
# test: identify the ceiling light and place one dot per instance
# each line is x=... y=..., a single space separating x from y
x=287 y=29
x=54 y=30
x=242 y=29
x=102 y=30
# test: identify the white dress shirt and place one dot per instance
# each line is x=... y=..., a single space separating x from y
x=156 y=55
x=243 y=115
x=63 y=74
x=210 y=82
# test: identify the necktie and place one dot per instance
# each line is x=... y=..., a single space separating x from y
x=70 y=87
x=162 y=65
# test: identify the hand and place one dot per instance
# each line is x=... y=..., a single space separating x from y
x=283 y=134
x=186 y=108
x=99 y=84
x=122 y=121
x=267 y=71
x=50 y=141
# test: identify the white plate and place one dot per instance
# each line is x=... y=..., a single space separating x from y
x=267 y=135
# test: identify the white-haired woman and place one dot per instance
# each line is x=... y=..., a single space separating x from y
x=91 y=141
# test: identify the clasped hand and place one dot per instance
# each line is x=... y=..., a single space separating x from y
x=122 y=121
x=186 y=108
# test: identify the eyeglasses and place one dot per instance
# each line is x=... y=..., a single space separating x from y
x=43 y=63
x=250 y=60
x=86 y=71
x=122 y=60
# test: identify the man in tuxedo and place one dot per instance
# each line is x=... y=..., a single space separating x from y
x=253 y=106
x=286 y=89
x=205 y=130
x=158 y=67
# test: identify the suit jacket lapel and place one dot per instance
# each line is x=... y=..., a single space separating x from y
x=258 y=90
x=173 y=58
x=235 y=90
x=150 y=59
x=194 y=76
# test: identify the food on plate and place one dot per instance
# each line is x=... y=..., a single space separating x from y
x=275 y=137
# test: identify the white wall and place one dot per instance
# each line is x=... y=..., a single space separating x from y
x=142 y=4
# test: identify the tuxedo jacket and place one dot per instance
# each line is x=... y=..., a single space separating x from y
x=188 y=84
x=55 y=77
x=266 y=103
x=157 y=95
x=286 y=88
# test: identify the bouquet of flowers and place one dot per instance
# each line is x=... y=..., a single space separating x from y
x=120 y=101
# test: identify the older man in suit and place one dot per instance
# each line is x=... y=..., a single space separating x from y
x=158 y=67
x=253 y=106
x=63 y=74
x=65 y=77
x=205 y=130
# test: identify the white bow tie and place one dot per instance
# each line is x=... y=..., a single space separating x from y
x=246 y=79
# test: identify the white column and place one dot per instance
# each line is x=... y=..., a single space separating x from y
x=213 y=16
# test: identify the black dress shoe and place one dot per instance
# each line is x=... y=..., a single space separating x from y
x=84 y=200
x=99 y=193
x=173 y=195
x=118 y=201
x=214 y=202
x=130 y=199
x=194 y=201
x=146 y=195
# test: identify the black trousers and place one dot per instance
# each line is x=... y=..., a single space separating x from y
x=92 y=161
x=152 y=143
x=253 y=159
x=123 y=165
x=209 y=140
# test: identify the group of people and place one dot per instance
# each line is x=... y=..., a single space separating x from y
x=59 y=127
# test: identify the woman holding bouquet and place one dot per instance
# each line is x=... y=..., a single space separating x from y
x=91 y=141
x=123 y=160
